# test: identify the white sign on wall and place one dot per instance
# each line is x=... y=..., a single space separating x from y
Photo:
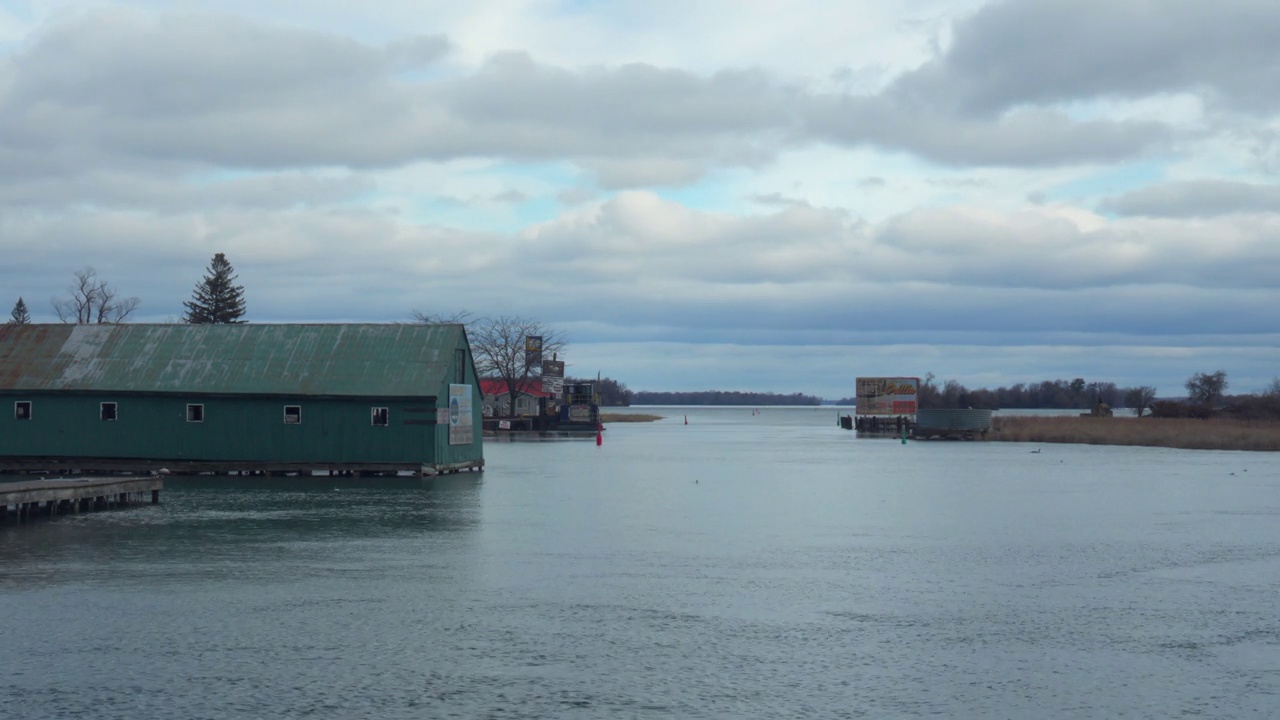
x=461 y=429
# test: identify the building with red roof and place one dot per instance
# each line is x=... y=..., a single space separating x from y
x=497 y=399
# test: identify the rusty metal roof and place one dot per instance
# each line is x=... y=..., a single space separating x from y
x=342 y=360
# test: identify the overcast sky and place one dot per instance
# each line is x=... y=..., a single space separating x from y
x=706 y=195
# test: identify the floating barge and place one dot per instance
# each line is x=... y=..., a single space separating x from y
x=926 y=424
x=575 y=414
x=879 y=427
x=50 y=498
x=952 y=424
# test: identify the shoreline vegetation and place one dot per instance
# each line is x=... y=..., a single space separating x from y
x=1182 y=433
x=628 y=417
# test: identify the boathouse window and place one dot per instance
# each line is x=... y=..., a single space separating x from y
x=459 y=366
x=22 y=410
x=380 y=416
x=107 y=411
x=195 y=413
x=292 y=414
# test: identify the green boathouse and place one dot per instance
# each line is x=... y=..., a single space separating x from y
x=363 y=398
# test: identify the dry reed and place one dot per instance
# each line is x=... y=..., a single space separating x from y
x=628 y=417
x=1213 y=434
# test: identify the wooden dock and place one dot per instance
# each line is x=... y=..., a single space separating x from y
x=50 y=498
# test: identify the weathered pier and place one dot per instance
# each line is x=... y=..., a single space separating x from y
x=925 y=424
x=50 y=498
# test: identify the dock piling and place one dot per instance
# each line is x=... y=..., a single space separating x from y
x=59 y=497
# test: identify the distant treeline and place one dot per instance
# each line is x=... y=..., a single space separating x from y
x=721 y=397
x=611 y=392
x=1077 y=393
x=1206 y=397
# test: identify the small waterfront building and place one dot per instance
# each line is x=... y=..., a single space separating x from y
x=250 y=397
x=530 y=400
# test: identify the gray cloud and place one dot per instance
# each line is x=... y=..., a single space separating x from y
x=122 y=87
x=652 y=268
x=1196 y=198
x=647 y=261
x=179 y=93
x=1264 y=145
x=1024 y=137
x=185 y=91
x=777 y=200
x=635 y=101
x=990 y=97
x=799 y=253
x=160 y=192
x=120 y=63
x=1018 y=52
x=620 y=174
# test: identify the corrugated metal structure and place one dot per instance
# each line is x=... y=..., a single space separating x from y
x=954 y=423
x=382 y=397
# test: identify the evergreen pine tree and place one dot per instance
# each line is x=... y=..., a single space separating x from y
x=216 y=300
x=20 y=316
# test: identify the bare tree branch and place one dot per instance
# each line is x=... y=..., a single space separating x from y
x=1207 y=388
x=498 y=346
x=1140 y=398
x=462 y=317
x=92 y=300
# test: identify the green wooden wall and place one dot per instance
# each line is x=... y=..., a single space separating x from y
x=234 y=428
x=245 y=427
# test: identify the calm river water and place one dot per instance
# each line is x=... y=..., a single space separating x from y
x=742 y=565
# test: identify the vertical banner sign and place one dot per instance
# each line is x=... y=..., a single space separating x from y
x=887 y=395
x=532 y=350
x=553 y=377
x=461 y=430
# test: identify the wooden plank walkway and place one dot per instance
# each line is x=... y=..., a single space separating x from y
x=50 y=498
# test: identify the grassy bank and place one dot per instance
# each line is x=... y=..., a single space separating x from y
x=1213 y=434
x=627 y=417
